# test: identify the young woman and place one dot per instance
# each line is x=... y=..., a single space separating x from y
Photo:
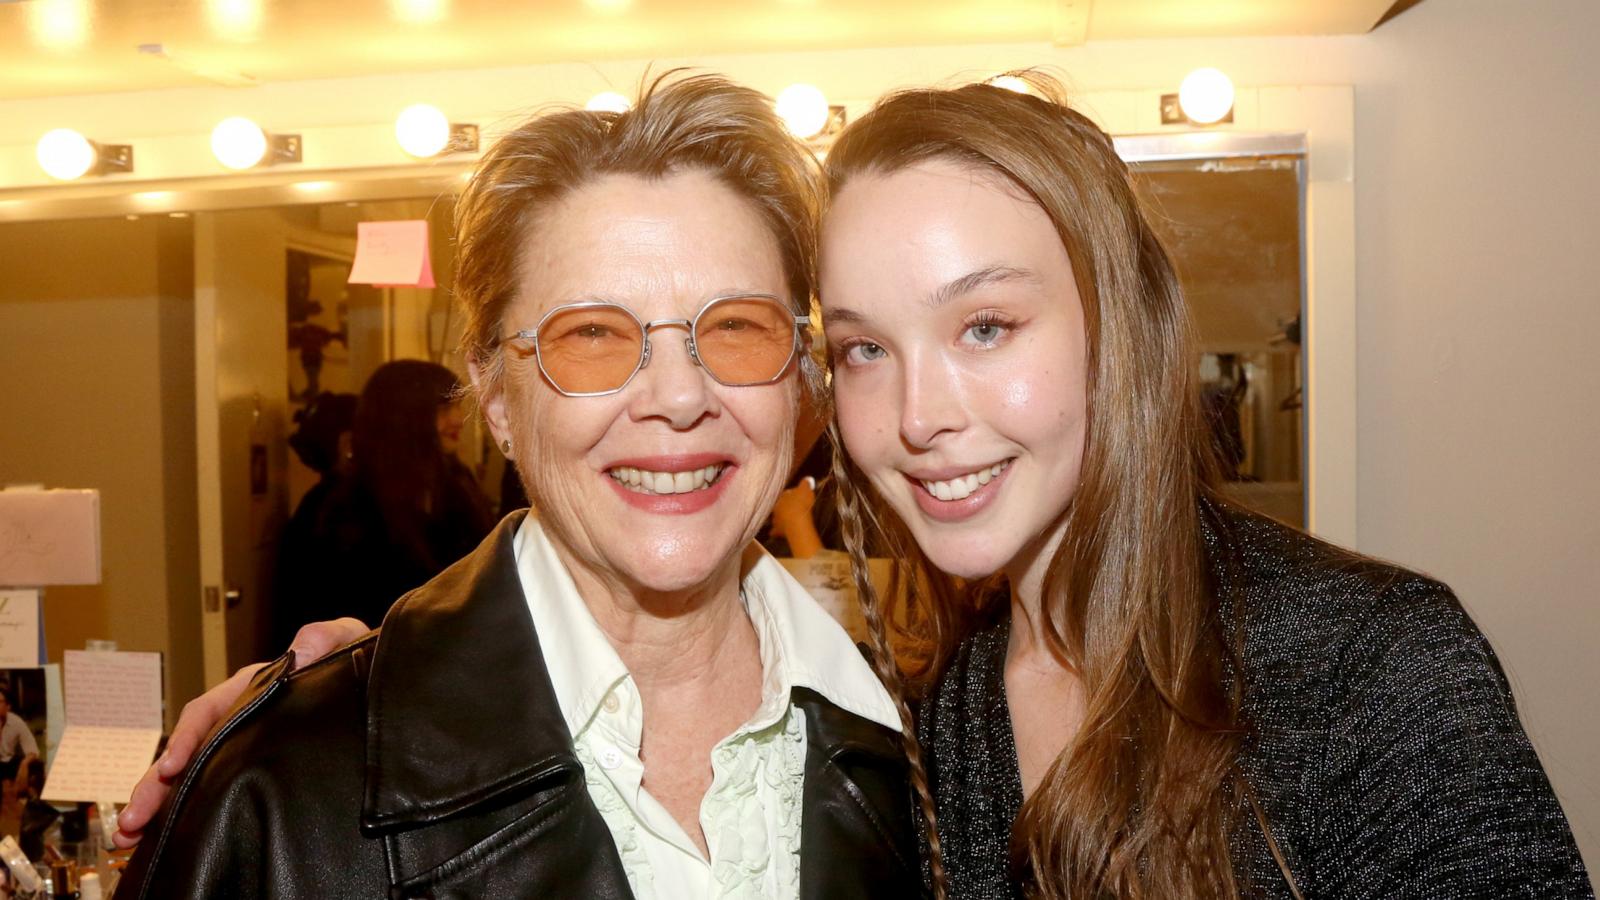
x=1130 y=688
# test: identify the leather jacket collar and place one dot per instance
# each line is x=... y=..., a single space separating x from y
x=443 y=740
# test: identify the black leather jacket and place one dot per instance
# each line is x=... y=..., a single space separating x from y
x=430 y=759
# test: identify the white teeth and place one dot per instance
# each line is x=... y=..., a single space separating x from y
x=962 y=487
x=648 y=482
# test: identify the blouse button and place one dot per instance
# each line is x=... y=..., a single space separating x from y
x=610 y=758
x=611 y=704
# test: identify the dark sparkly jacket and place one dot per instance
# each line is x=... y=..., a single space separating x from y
x=1385 y=746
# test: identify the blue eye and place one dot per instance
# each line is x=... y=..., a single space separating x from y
x=986 y=332
x=863 y=352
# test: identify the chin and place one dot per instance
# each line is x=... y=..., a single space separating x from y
x=669 y=563
x=971 y=559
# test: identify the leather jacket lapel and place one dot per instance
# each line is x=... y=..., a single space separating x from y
x=859 y=836
x=480 y=719
x=471 y=778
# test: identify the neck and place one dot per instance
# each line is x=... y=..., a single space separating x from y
x=668 y=638
x=1026 y=573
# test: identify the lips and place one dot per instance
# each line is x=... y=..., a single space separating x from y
x=671 y=485
x=647 y=481
x=953 y=495
x=963 y=486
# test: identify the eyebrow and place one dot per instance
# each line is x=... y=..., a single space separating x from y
x=944 y=293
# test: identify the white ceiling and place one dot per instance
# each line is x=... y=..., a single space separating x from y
x=56 y=47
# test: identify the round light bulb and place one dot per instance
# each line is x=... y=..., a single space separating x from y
x=1206 y=95
x=608 y=101
x=1011 y=83
x=803 y=108
x=66 y=154
x=238 y=143
x=422 y=130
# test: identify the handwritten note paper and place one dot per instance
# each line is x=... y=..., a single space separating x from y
x=49 y=537
x=393 y=253
x=21 y=640
x=101 y=763
x=113 y=725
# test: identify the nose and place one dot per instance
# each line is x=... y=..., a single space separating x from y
x=931 y=405
x=672 y=386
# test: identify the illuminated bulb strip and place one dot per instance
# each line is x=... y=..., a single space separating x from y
x=608 y=101
x=238 y=143
x=65 y=154
x=422 y=130
x=1011 y=83
x=804 y=109
x=1205 y=95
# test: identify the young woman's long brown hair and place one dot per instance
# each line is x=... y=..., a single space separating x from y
x=1143 y=801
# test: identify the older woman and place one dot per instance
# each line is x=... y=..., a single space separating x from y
x=622 y=698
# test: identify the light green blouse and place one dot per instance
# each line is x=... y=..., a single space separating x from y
x=750 y=816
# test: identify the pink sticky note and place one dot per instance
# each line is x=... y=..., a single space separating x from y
x=393 y=254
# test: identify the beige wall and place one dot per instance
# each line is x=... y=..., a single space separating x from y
x=97 y=369
x=1477 y=200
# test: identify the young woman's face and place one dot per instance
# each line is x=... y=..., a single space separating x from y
x=960 y=359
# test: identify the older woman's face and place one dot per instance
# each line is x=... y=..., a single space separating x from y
x=663 y=248
x=960 y=359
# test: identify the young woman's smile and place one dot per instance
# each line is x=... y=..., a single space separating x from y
x=959 y=358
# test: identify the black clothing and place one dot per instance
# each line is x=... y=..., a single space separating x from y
x=1385 y=746
x=431 y=759
x=342 y=556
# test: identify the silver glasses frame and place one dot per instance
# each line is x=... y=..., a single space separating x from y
x=801 y=325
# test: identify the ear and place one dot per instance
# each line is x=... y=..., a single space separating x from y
x=492 y=401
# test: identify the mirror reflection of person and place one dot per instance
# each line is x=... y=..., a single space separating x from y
x=17 y=745
x=623 y=697
x=404 y=508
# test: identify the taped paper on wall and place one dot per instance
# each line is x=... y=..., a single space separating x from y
x=49 y=537
x=21 y=632
x=393 y=254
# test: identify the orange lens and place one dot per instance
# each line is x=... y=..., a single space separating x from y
x=745 y=340
x=590 y=349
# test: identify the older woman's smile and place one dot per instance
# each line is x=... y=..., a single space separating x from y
x=672 y=485
x=693 y=464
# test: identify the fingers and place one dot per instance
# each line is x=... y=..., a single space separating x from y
x=316 y=640
x=202 y=713
x=146 y=799
x=199 y=716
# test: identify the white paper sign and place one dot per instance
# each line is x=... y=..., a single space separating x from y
x=113 y=725
x=103 y=763
x=21 y=641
